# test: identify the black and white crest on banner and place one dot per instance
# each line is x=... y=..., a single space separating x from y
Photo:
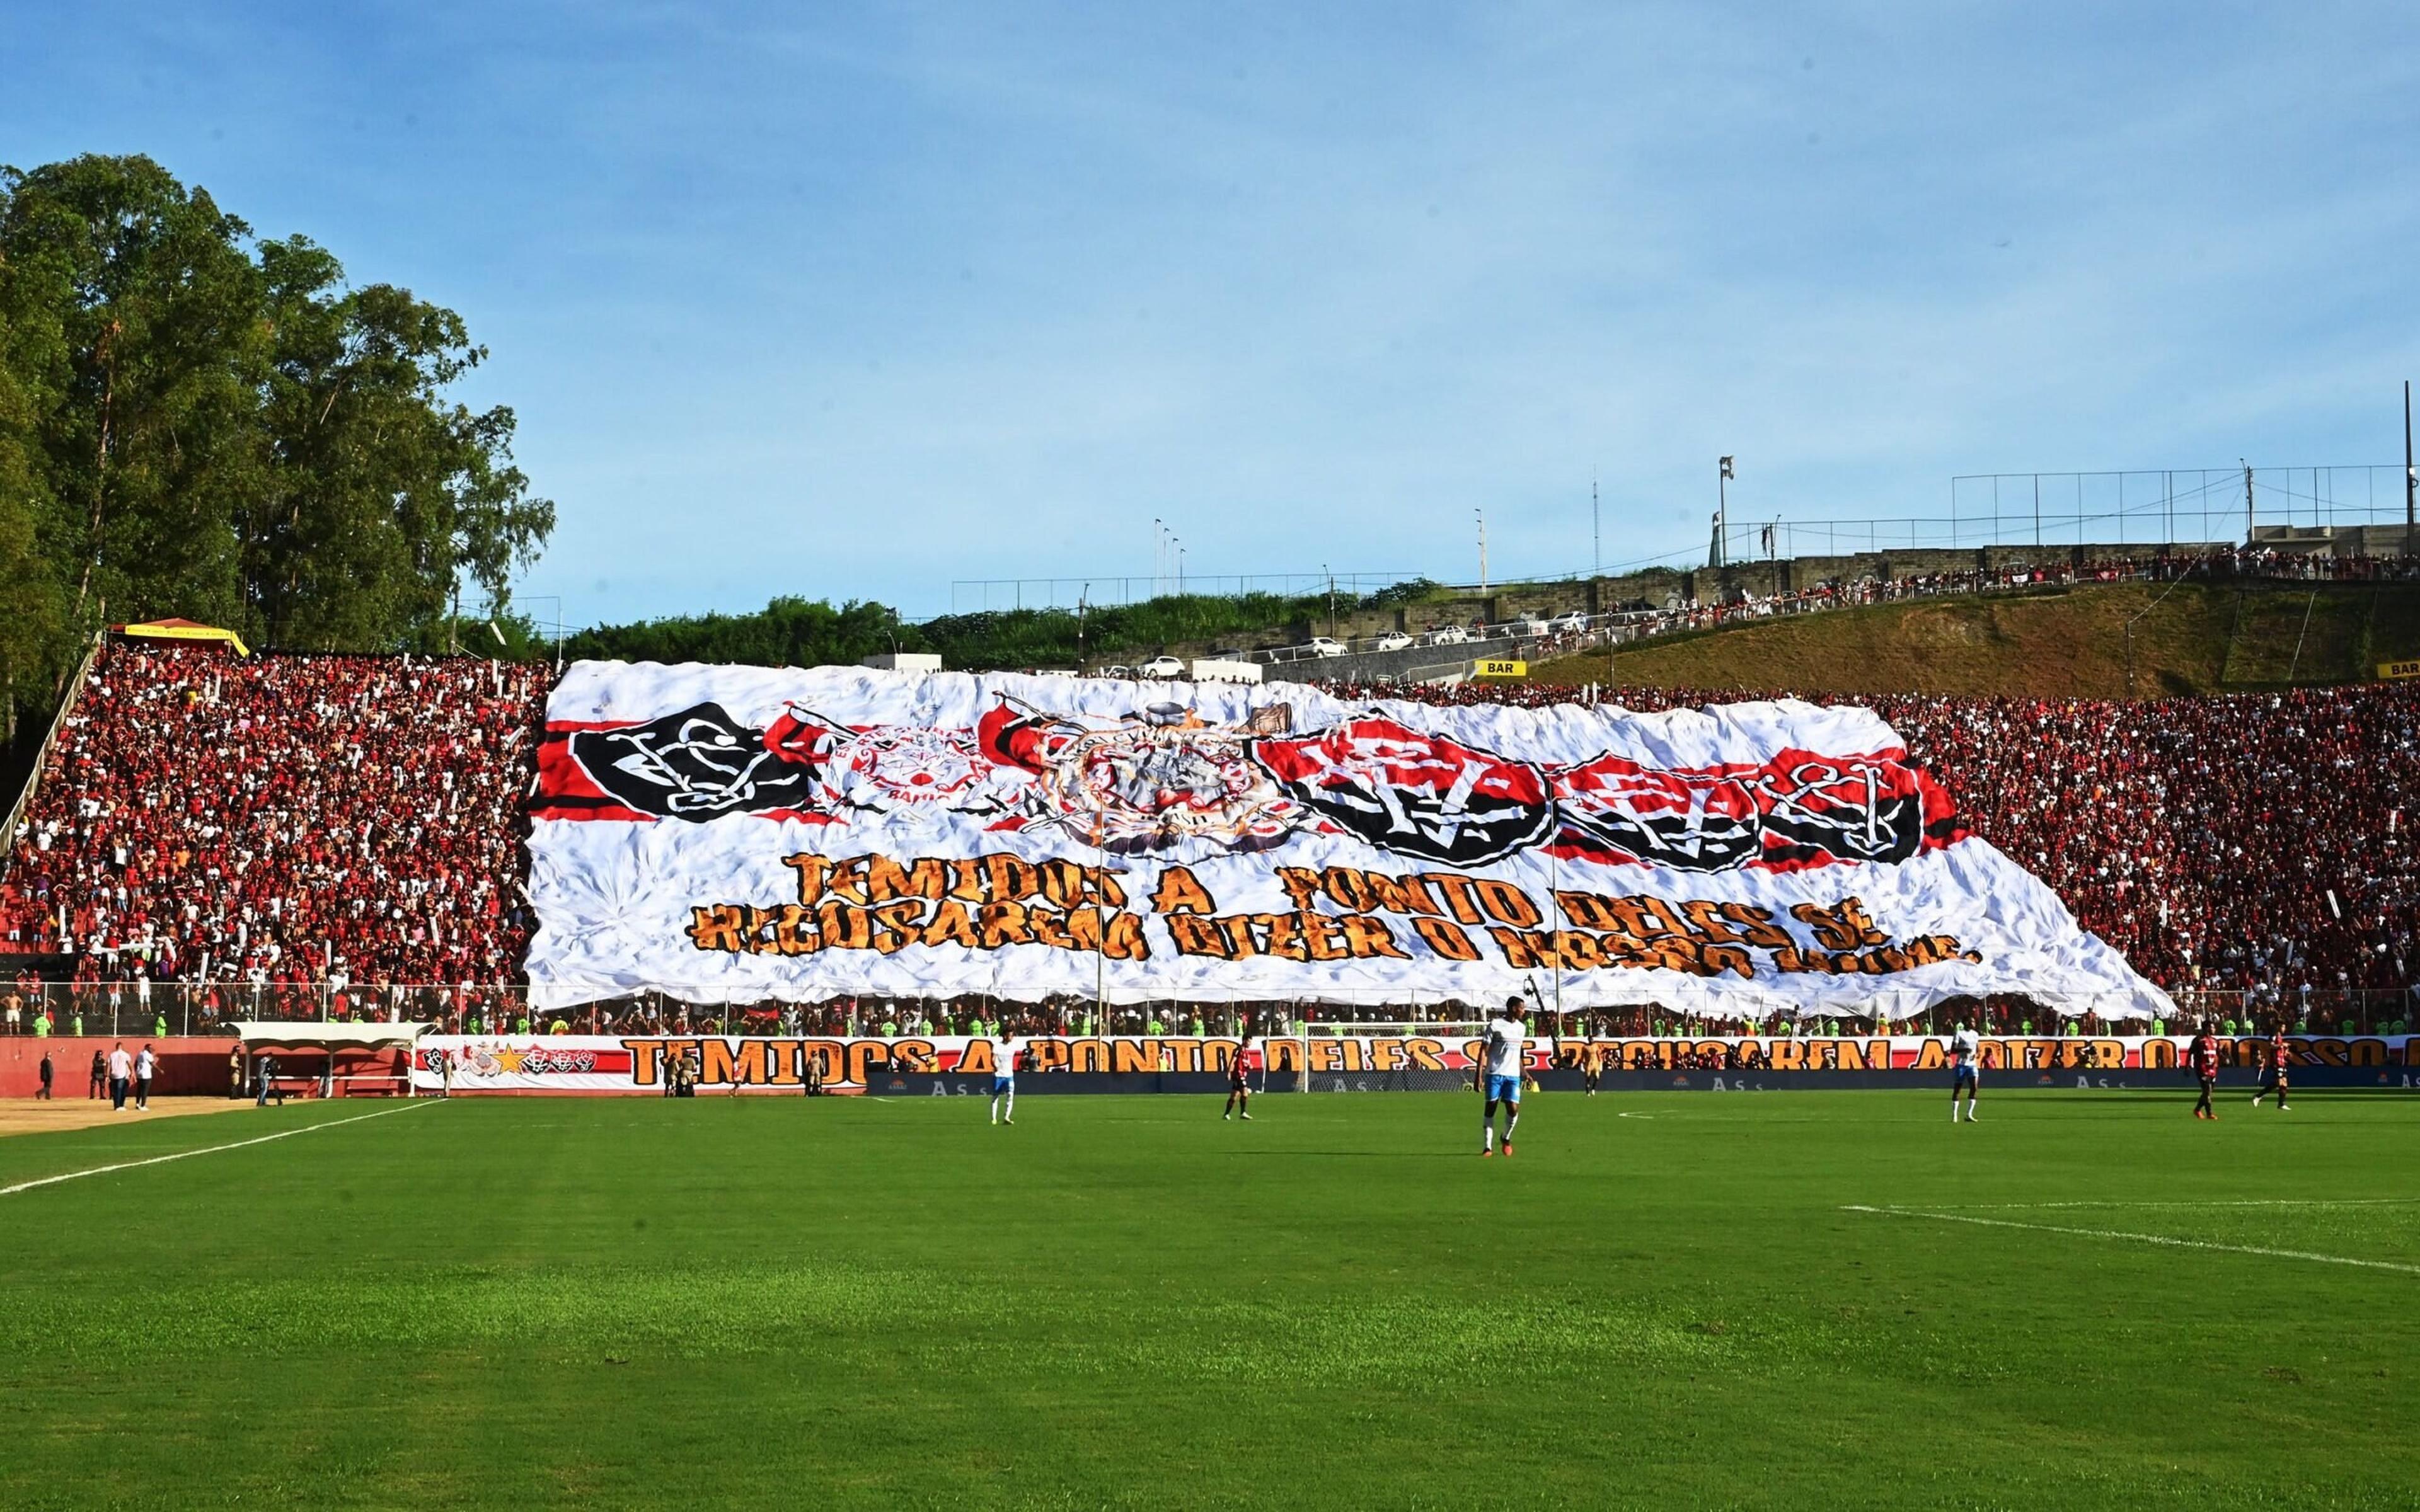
x=697 y=764
x=1418 y=794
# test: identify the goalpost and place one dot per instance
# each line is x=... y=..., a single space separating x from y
x=1404 y=1056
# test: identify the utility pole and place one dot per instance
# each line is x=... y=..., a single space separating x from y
x=2410 y=477
x=1723 y=475
x=1596 y=520
x=1481 y=516
x=1331 y=600
x=2247 y=503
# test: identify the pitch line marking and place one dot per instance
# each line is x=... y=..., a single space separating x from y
x=2211 y=1202
x=211 y=1150
x=2169 y=1240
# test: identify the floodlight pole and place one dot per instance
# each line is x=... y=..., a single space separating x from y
x=2410 y=475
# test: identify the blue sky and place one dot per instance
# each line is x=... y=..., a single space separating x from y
x=856 y=302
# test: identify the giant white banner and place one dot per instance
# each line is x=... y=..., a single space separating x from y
x=733 y=833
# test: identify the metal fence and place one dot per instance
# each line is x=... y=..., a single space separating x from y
x=158 y=1009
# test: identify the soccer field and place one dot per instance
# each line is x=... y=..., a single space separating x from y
x=1683 y=1299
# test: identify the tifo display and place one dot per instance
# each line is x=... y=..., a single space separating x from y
x=286 y=835
x=744 y=834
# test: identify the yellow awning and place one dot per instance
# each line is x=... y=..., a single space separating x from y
x=183 y=630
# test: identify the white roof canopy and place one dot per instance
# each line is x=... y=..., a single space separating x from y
x=301 y=1035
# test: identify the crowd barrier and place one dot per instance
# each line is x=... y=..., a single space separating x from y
x=915 y=1065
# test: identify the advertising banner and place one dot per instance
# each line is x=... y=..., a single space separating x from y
x=586 y=1064
x=726 y=834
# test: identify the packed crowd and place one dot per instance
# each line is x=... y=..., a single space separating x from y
x=276 y=821
x=2256 y=843
x=1646 y=621
x=259 y=835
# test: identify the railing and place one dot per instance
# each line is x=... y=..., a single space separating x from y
x=24 y=798
x=158 y=1009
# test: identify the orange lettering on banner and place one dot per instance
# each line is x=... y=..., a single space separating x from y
x=1705 y=913
x=1197 y=934
x=647 y=1061
x=1179 y=893
x=1048 y=1055
x=782 y=1060
x=951 y=924
x=1366 y=938
x=1299 y=882
x=846 y=879
x=812 y=870
x=1002 y=924
x=1134 y=1055
x=720 y=927
x=794 y=932
x=1457 y=890
x=1012 y=880
x=1445 y=939
x=1050 y=927
x=897 y=925
x=844 y=927
x=719 y=1065
x=1506 y=903
x=887 y=879
x=1756 y=926
x=865 y=1058
x=1845 y=926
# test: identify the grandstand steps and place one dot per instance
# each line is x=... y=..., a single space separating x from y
x=2055 y=642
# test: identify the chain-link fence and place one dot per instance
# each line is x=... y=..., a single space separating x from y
x=143 y=1009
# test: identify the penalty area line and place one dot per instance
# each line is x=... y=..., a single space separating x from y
x=210 y=1150
x=2170 y=1240
x=2209 y=1202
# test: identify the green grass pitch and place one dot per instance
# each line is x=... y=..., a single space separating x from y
x=1664 y=1300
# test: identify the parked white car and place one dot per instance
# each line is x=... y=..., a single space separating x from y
x=1392 y=641
x=1162 y=667
x=1321 y=646
x=1116 y=669
x=1448 y=635
x=1572 y=624
x=1528 y=624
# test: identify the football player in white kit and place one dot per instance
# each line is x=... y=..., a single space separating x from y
x=1505 y=1058
x=1004 y=1052
x=1966 y=1056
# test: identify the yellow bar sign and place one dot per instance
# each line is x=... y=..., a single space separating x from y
x=2398 y=669
x=1501 y=669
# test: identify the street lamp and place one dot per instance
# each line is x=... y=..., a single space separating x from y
x=1723 y=476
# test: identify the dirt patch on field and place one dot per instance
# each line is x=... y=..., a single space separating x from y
x=26 y=1115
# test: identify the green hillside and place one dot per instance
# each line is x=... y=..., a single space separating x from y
x=2189 y=637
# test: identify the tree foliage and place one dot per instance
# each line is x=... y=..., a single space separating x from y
x=796 y=632
x=197 y=422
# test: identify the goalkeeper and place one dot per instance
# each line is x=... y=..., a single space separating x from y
x=1504 y=1059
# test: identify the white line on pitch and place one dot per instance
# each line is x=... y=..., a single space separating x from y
x=212 y=1149
x=2169 y=1240
x=2213 y=1202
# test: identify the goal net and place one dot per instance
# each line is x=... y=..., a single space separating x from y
x=1404 y=1057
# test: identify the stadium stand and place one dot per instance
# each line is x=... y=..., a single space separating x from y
x=297 y=825
x=2255 y=843
x=281 y=818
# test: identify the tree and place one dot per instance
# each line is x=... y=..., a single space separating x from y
x=196 y=422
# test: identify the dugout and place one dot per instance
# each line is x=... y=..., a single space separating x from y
x=330 y=1059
